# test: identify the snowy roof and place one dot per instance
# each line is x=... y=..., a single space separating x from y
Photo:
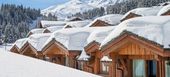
x=149 y=27
x=105 y=58
x=16 y=65
x=52 y=23
x=20 y=42
x=74 y=38
x=83 y=56
x=36 y=31
x=146 y=11
x=38 y=40
x=54 y=28
x=77 y=24
x=112 y=19
x=164 y=10
x=99 y=36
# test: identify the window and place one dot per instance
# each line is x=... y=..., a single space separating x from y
x=167 y=67
x=138 y=68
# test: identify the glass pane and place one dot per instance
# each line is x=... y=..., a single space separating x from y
x=138 y=68
x=167 y=66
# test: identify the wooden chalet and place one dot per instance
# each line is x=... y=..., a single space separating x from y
x=165 y=10
x=97 y=63
x=15 y=49
x=35 y=31
x=100 y=23
x=141 y=12
x=28 y=50
x=58 y=53
x=55 y=52
x=52 y=29
x=93 y=64
x=45 y=24
x=166 y=13
x=129 y=16
x=47 y=31
x=77 y=24
x=135 y=56
x=106 y=20
x=74 y=19
x=17 y=45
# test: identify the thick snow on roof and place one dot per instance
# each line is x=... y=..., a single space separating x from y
x=15 y=65
x=154 y=28
x=74 y=38
x=52 y=23
x=83 y=56
x=99 y=36
x=20 y=42
x=36 y=31
x=113 y=19
x=77 y=24
x=105 y=58
x=164 y=10
x=38 y=40
x=54 y=28
x=146 y=11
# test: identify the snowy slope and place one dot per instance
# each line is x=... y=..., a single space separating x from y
x=15 y=65
x=75 y=6
x=102 y=3
x=67 y=9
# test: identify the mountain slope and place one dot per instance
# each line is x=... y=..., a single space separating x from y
x=75 y=6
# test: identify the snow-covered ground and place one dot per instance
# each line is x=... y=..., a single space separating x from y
x=15 y=65
x=75 y=6
x=5 y=47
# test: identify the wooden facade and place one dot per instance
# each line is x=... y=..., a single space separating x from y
x=28 y=50
x=130 y=15
x=15 y=49
x=55 y=52
x=166 y=13
x=129 y=48
x=59 y=54
x=93 y=65
x=100 y=23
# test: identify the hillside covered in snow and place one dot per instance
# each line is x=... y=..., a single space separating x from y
x=76 y=6
x=15 y=65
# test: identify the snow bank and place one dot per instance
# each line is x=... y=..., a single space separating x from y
x=154 y=28
x=15 y=65
x=112 y=19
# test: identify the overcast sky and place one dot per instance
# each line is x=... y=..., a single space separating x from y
x=34 y=3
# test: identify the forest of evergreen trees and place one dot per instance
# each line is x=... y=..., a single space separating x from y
x=119 y=8
x=15 y=21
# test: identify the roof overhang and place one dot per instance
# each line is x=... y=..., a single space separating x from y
x=126 y=37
